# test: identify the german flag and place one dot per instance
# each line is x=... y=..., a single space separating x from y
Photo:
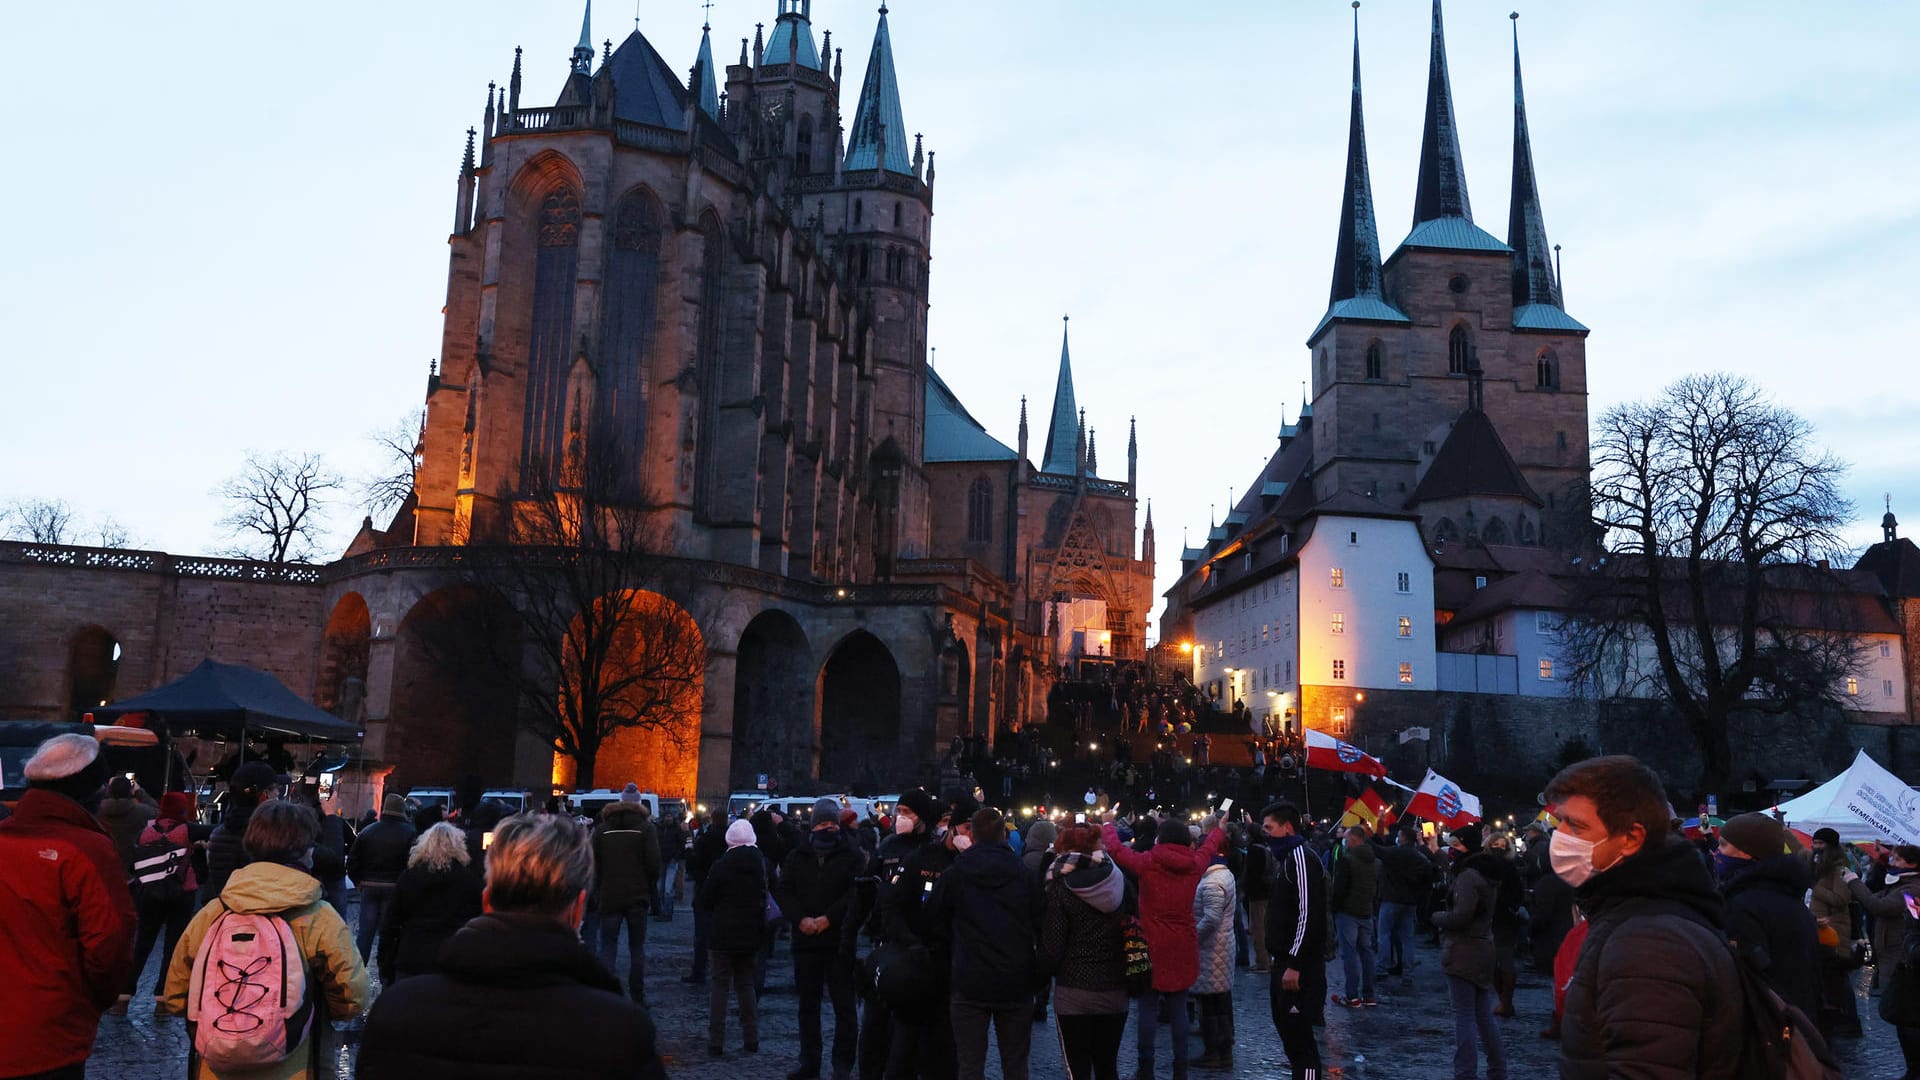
x=1369 y=811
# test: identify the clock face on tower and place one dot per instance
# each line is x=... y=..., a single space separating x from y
x=775 y=112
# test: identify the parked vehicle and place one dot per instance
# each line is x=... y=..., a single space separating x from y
x=514 y=798
x=423 y=797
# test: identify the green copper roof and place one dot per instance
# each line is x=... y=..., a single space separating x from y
x=708 y=90
x=952 y=434
x=1452 y=234
x=1545 y=317
x=1359 y=309
x=877 y=119
x=792 y=43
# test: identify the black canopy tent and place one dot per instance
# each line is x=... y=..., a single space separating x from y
x=230 y=701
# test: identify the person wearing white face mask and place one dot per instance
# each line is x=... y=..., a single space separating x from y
x=1655 y=991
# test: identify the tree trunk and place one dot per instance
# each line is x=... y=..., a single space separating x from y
x=583 y=765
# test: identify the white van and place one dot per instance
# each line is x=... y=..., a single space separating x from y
x=424 y=797
x=515 y=799
x=588 y=804
x=743 y=803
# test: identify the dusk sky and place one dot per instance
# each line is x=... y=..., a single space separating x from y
x=239 y=239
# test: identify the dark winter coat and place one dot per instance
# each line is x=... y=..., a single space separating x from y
x=1466 y=926
x=812 y=885
x=379 y=855
x=68 y=938
x=734 y=895
x=330 y=849
x=1255 y=869
x=1168 y=875
x=1356 y=881
x=1655 y=992
x=626 y=858
x=1406 y=874
x=708 y=845
x=673 y=840
x=903 y=911
x=1297 y=909
x=225 y=853
x=428 y=906
x=987 y=907
x=124 y=819
x=1768 y=921
x=1888 y=906
x=517 y=997
x=1082 y=945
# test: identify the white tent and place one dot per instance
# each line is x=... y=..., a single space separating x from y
x=1864 y=803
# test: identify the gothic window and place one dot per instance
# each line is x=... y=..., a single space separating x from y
x=1445 y=530
x=858 y=211
x=1458 y=349
x=550 y=352
x=896 y=215
x=1374 y=363
x=1496 y=531
x=699 y=455
x=980 y=512
x=1526 y=530
x=866 y=256
x=1546 y=373
x=803 y=148
x=633 y=276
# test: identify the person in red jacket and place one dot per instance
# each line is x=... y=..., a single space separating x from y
x=68 y=945
x=1168 y=873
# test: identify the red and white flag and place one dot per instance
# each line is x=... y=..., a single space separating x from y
x=1440 y=799
x=1326 y=752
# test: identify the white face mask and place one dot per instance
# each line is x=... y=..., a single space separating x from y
x=1572 y=858
x=961 y=842
x=904 y=824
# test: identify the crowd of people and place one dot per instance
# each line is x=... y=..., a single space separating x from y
x=935 y=934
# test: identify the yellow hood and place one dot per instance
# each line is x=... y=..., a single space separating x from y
x=269 y=887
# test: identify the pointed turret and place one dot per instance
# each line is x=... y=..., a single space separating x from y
x=1093 y=467
x=792 y=40
x=878 y=139
x=1442 y=188
x=1537 y=302
x=1356 y=292
x=1146 y=537
x=1023 y=430
x=1133 y=453
x=583 y=52
x=1059 y=456
x=706 y=88
x=1080 y=446
x=463 y=199
x=513 y=84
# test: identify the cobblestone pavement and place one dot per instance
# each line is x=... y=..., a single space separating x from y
x=1409 y=1037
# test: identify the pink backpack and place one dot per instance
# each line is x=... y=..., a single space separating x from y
x=247 y=1004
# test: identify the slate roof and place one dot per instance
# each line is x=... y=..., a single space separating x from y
x=791 y=43
x=1063 y=427
x=952 y=434
x=879 y=109
x=1472 y=461
x=1896 y=563
x=1441 y=191
x=646 y=90
x=709 y=88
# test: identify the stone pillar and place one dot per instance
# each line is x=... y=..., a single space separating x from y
x=716 y=725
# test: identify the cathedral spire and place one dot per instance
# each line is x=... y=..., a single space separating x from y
x=879 y=135
x=1442 y=188
x=706 y=88
x=1534 y=278
x=1062 y=433
x=792 y=40
x=583 y=52
x=1093 y=457
x=1356 y=262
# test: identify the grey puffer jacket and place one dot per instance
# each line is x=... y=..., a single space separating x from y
x=1655 y=993
x=1213 y=903
x=1466 y=926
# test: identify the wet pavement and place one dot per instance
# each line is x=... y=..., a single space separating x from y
x=1408 y=1037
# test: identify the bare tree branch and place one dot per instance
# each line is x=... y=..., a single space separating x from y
x=108 y=532
x=278 y=501
x=383 y=490
x=41 y=521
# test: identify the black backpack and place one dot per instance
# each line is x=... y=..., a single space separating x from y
x=1780 y=1042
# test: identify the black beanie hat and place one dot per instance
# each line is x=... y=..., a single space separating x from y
x=921 y=805
x=1469 y=836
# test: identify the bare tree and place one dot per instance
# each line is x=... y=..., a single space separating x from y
x=278 y=503
x=391 y=482
x=1720 y=518
x=578 y=635
x=41 y=521
x=108 y=532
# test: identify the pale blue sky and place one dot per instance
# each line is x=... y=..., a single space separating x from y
x=228 y=220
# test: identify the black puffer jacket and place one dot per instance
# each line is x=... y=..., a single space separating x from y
x=626 y=858
x=903 y=912
x=988 y=908
x=379 y=856
x=815 y=884
x=225 y=853
x=1767 y=919
x=1655 y=993
x=517 y=997
x=734 y=895
x=1406 y=873
x=428 y=907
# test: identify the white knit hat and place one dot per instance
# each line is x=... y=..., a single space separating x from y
x=740 y=834
x=60 y=757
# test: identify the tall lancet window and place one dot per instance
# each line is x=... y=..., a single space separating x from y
x=980 y=512
x=1375 y=365
x=1545 y=375
x=633 y=277
x=1458 y=349
x=550 y=352
x=803 y=148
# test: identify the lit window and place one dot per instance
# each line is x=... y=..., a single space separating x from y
x=1406 y=626
x=1265 y=629
x=1339 y=623
x=1340 y=669
x=1546 y=668
x=1339 y=578
x=1887 y=685
x=1886 y=649
x=1403 y=582
x=1339 y=719
x=1853 y=685
x=1479 y=581
x=1406 y=673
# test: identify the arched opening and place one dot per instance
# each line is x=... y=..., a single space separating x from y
x=803 y=148
x=451 y=719
x=340 y=686
x=1496 y=531
x=651 y=674
x=1375 y=363
x=93 y=664
x=1459 y=351
x=860 y=714
x=772 y=703
x=1445 y=530
x=980 y=512
x=1546 y=371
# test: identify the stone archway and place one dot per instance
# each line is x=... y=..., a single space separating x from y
x=93 y=665
x=340 y=684
x=860 y=714
x=653 y=671
x=772 y=703
x=452 y=715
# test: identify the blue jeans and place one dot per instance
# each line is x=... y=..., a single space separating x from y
x=1473 y=1028
x=669 y=880
x=634 y=918
x=1356 y=953
x=374 y=899
x=1394 y=942
x=1147 y=1024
